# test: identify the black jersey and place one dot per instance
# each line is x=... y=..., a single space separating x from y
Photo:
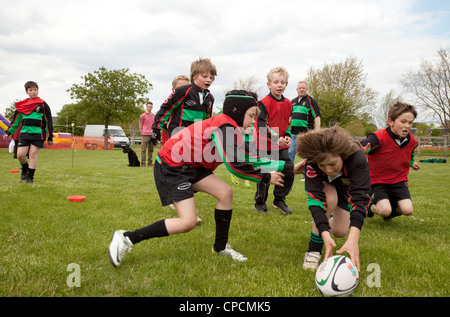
x=185 y=105
x=353 y=183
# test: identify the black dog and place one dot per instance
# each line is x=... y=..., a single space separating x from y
x=132 y=157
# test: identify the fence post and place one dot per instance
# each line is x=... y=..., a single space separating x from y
x=445 y=146
x=419 y=139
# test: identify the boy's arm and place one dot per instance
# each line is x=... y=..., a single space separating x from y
x=174 y=101
x=373 y=142
x=231 y=149
x=49 y=119
x=359 y=188
x=17 y=120
x=314 y=189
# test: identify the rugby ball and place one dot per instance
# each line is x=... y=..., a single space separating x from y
x=337 y=276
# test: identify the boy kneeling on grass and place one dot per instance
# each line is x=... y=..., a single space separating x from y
x=337 y=184
x=185 y=165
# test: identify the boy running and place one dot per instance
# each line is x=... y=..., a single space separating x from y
x=185 y=165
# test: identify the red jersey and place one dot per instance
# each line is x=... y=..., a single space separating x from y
x=390 y=161
x=214 y=141
x=274 y=116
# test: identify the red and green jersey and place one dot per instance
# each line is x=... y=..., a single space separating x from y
x=185 y=105
x=212 y=142
x=36 y=120
x=352 y=185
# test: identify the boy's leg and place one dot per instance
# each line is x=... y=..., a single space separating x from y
x=186 y=221
x=262 y=191
x=34 y=151
x=340 y=223
x=382 y=208
x=22 y=158
x=214 y=186
x=313 y=255
x=405 y=207
x=402 y=198
x=223 y=192
x=279 y=192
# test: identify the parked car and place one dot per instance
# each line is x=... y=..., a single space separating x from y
x=115 y=132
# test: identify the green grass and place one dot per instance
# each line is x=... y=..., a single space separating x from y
x=42 y=233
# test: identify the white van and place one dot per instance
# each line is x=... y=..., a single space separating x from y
x=115 y=132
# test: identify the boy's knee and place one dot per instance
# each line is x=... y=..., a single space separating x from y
x=383 y=210
x=407 y=211
x=188 y=224
x=227 y=193
x=339 y=232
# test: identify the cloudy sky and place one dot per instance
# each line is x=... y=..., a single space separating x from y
x=56 y=42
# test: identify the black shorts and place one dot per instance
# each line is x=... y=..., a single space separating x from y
x=342 y=197
x=393 y=192
x=26 y=143
x=176 y=184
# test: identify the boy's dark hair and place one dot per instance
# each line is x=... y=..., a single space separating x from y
x=31 y=84
x=399 y=108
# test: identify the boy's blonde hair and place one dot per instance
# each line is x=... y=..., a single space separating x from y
x=278 y=70
x=201 y=66
x=317 y=145
x=177 y=79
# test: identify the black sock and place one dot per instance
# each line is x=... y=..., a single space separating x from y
x=31 y=173
x=223 y=219
x=393 y=214
x=155 y=230
x=315 y=243
x=24 y=167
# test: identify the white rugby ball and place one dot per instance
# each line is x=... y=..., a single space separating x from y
x=337 y=276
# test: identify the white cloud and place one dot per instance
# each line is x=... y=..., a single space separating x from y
x=57 y=42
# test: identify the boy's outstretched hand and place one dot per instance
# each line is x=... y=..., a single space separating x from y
x=276 y=178
x=300 y=167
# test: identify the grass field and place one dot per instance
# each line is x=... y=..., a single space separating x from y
x=52 y=247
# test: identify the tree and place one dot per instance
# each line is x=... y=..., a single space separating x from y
x=381 y=116
x=72 y=113
x=9 y=112
x=249 y=84
x=431 y=86
x=111 y=95
x=341 y=91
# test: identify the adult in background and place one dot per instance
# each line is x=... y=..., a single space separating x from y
x=305 y=116
x=145 y=125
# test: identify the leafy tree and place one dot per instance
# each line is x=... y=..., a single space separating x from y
x=72 y=113
x=9 y=112
x=341 y=91
x=436 y=132
x=431 y=86
x=422 y=129
x=111 y=95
